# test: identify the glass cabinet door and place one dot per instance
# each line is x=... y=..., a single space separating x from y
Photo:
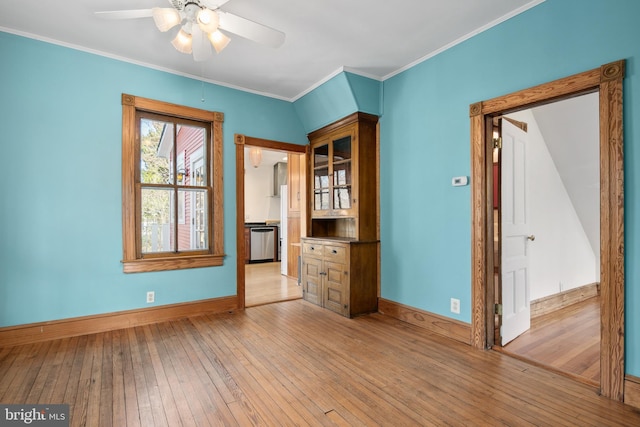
x=342 y=173
x=332 y=175
x=321 y=189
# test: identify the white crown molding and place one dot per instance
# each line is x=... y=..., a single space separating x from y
x=342 y=69
x=466 y=37
x=135 y=62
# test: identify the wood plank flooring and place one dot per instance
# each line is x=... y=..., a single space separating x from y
x=265 y=284
x=567 y=340
x=293 y=363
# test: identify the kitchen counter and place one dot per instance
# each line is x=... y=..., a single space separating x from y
x=255 y=224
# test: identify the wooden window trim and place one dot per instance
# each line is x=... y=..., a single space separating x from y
x=132 y=260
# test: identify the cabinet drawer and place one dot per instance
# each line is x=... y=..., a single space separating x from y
x=335 y=253
x=312 y=249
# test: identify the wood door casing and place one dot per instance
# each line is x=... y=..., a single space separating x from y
x=240 y=142
x=607 y=80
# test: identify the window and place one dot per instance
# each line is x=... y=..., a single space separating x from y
x=171 y=186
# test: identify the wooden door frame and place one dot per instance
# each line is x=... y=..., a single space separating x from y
x=241 y=141
x=607 y=80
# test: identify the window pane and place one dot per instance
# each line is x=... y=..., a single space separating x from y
x=321 y=178
x=193 y=234
x=321 y=156
x=342 y=149
x=342 y=173
x=191 y=146
x=156 y=146
x=157 y=230
x=321 y=200
x=342 y=198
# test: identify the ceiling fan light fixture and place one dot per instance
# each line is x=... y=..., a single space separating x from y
x=208 y=20
x=182 y=42
x=219 y=40
x=165 y=18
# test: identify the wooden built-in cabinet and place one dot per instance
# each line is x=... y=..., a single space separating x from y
x=295 y=217
x=340 y=275
x=340 y=256
x=247 y=245
x=295 y=179
x=343 y=171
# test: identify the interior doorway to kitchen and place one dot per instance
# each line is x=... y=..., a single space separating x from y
x=270 y=212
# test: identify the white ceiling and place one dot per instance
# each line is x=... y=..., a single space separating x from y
x=374 y=38
x=269 y=158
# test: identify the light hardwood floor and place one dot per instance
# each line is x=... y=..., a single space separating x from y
x=265 y=284
x=567 y=340
x=293 y=363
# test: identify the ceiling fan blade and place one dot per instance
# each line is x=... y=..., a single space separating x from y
x=250 y=30
x=200 y=46
x=125 y=14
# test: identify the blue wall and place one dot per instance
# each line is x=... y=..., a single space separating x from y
x=338 y=97
x=331 y=101
x=60 y=215
x=425 y=222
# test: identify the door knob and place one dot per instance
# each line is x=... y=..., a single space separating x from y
x=532 y=237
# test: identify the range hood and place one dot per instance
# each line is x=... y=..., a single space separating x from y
x=279 y=177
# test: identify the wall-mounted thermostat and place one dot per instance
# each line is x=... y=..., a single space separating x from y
x=459 y=181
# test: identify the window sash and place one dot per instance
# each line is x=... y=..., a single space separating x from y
x=133 y=258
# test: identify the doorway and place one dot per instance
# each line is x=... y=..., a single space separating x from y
x=548 y=236
x=607 y=82
x=267 y=283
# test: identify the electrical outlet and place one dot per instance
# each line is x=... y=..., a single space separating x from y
x=455 y=305
x=151 y=297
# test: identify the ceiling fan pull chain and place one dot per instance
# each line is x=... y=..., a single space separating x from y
x=202 y=81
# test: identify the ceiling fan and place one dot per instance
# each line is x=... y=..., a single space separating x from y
x=201 y=22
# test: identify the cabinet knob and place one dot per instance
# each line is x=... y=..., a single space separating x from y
x=334 y=251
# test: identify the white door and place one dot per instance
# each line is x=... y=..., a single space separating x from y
x=516 y=313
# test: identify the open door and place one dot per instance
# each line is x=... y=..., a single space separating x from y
x=516 y=237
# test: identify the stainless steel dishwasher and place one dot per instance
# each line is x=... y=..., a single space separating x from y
x=262 y=244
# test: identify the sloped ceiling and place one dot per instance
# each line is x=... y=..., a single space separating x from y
x=571 y=131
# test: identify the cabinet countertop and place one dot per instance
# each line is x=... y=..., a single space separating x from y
x=338 y=239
